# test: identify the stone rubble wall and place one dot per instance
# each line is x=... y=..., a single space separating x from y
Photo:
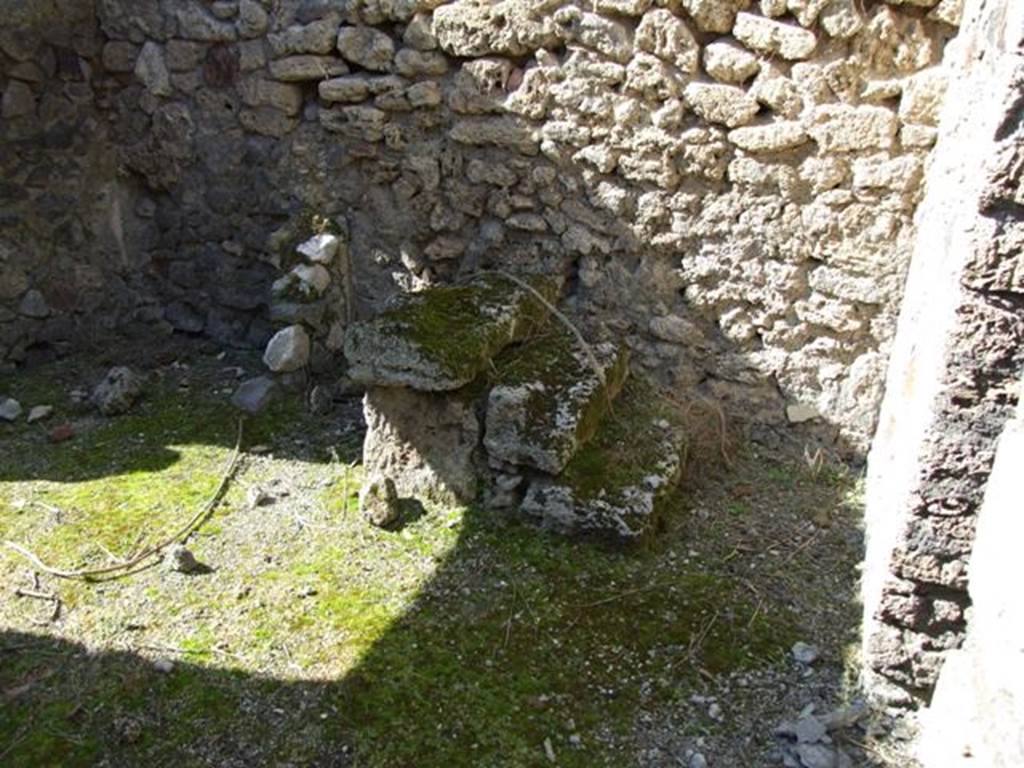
x=956 y=363
x=69 y=258
x=977 y=714
x=729 y=184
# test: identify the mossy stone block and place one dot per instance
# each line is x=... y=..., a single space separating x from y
x=614 y=486
x=550 y=399
x=440 y=339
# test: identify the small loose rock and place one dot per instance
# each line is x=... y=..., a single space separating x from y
x=39 y=412
x=118 y=391
x=10 y=409
x=180 y=559
x=805 y=653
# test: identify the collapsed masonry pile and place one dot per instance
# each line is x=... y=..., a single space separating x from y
x=472 y=394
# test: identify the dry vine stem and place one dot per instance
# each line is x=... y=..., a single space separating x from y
x=124 y=568
x=587 y=349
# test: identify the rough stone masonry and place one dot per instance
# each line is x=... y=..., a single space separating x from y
x=730 y=184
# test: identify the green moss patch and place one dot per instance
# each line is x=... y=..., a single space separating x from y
x=444 y=337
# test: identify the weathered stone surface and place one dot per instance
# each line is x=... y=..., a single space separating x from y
x=119 y=56
x=666 y=36
x=945 y=404
x=258 y=92
x=675 y=329
x=842 y=128
x=729 y=63
x=611 y=38
x=725 y=104
x=10 y=409
x=151 y=70
x=318 y=37
x=253 y=20
x=624 y=7
x=841 y=19
x=312 y=279
x=443 y=339
x=320 y=249
x=506 y=132
x=33 y=304
x=774 y=137
x=424 y=94
x=253 y=395
x=614 y=484
x=195 y=24
x=923 y=94
x=423 y=442
x=482 y=28
x=894 y=43
x=412 y=63
x=18 y=101
x=359 y=122
x=287 y=350
x=379 y=503
x=550 y=400
x=38 y=413
x=774 y=37
x=367 y=47
x=419 y=34
x=294 y=69
x=350 y=89
x=714 y=15
x=977 y=711
x=118 y=391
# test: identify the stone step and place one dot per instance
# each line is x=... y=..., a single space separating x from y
x=443 y=338
x=616 y=483
x=550 y=398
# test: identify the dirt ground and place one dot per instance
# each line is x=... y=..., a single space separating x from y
x=465 y=638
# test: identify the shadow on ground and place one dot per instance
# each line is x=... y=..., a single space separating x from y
x=513 y=646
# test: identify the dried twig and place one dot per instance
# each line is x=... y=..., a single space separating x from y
x=803 y=545
x=127 y=567
x=35 y=594
x=588 y=350
x=685 y=408
x=697 y=641
x=621 y=595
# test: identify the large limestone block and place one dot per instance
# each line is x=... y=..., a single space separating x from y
x=318 y=37
x=550 y=400
x=728 y=62
x=844 y=128
x=667 y=37
x=774 y=37
x=773 y=137
x=423 y=442
x=615 y=485
x=714 y=15
x=473 y=28
x=611 y=38
x=922 y=98
x=725 y=104
x=444 y=338
x=367 y=47
x=296 y=69
x=506 y=131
